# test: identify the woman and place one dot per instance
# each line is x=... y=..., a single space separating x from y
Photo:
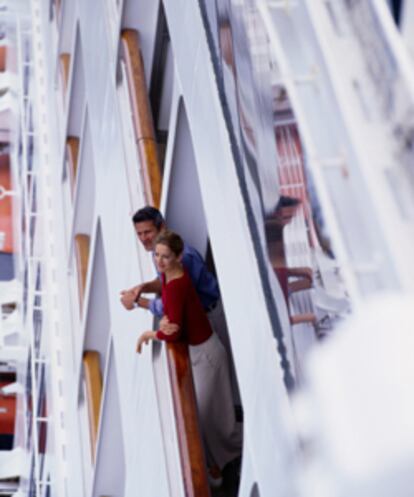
x=182 y=308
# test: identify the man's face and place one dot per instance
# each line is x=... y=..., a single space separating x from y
x=147 y=233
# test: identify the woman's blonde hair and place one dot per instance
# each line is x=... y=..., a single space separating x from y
x=171 y=240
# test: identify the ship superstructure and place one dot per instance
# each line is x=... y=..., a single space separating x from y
x=213 y=112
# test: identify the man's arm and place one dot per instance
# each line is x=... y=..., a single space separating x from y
x=153 y=305
x=203 y=280
x=129 y=297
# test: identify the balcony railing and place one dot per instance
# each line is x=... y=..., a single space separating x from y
x=142 y=116
x=192 y=461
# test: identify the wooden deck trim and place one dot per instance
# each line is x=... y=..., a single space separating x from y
x=93 y=381
x=3 y=58
x=64 y=60
x=193 y=463
x=142 y=116
x=82 y=244
x=72 y=151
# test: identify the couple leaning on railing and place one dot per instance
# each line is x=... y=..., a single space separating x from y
x=189 y=293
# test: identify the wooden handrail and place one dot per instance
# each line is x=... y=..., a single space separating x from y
x=64 y=60
x=186 y=418
x=82 y=243
x=93 y=381
x=72 y=151
x=3 y=58
x=142 y=117
x=185 y=406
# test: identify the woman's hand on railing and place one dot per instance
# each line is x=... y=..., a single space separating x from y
x=167 y=327
x=145 y=338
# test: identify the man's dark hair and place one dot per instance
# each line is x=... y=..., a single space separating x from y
x=149 y=213
x=287 y=202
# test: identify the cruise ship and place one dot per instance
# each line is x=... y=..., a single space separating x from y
x=277 y=138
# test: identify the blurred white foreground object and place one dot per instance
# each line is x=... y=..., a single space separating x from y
x=357 y=411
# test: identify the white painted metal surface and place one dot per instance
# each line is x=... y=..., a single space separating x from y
x=356 y=413
x=351 y=126
x=406 y=26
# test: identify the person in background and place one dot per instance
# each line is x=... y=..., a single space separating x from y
x=182 y=306
x=302 y=276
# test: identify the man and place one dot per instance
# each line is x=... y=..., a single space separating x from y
x=148 y=223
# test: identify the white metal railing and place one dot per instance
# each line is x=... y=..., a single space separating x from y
x=66 y=477
x=339 y=118
x=290 y=80
x=28 y=264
